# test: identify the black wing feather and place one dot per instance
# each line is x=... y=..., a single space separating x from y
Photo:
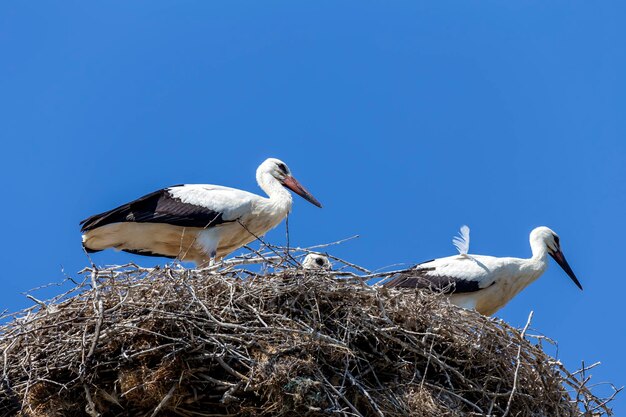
x=147 y=253
x=420 y=278
x=156 y=207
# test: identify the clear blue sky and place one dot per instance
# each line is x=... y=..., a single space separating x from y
x=405 y=119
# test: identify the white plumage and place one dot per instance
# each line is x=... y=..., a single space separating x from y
x=486 y=283
x=196 y=222
x=316 y=261
x=462 y=241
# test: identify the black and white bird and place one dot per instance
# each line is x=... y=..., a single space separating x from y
x=316 y=261
x=196 y=222
x=485 y=283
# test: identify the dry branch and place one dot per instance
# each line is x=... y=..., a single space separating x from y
x=273 y=341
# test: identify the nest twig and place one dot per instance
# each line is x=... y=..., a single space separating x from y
x=277 y=340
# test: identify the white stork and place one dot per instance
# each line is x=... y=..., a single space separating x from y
x=485 y=283
x=196 y=222
x=316 y=261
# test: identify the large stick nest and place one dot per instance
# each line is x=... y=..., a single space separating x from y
x=131 y=341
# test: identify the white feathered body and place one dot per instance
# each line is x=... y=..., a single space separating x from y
x=485 y=283
x=499 y=279
x=196 y=222
x=238 y=209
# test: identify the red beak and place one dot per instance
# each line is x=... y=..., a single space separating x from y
x=293 y=184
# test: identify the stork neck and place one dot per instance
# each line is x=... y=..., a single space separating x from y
x=539 y=249
x=529 y=270
x=539 y=260
x=277 y=194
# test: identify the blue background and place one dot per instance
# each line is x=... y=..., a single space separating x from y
x=405 y=119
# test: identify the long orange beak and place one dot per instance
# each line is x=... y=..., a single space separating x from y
x=560 y=259
x=293 y=184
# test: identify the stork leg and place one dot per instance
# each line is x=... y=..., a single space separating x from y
x=466 y=302
x=209 y=240
x=212 y=257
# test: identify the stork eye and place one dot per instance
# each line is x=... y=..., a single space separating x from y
x=319 y=261
x=557 y=241
x=282 y=167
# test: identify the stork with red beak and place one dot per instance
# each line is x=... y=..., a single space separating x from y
x=196 y=222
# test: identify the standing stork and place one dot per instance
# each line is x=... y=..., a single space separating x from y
x=196 y=222
x=485 y=283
